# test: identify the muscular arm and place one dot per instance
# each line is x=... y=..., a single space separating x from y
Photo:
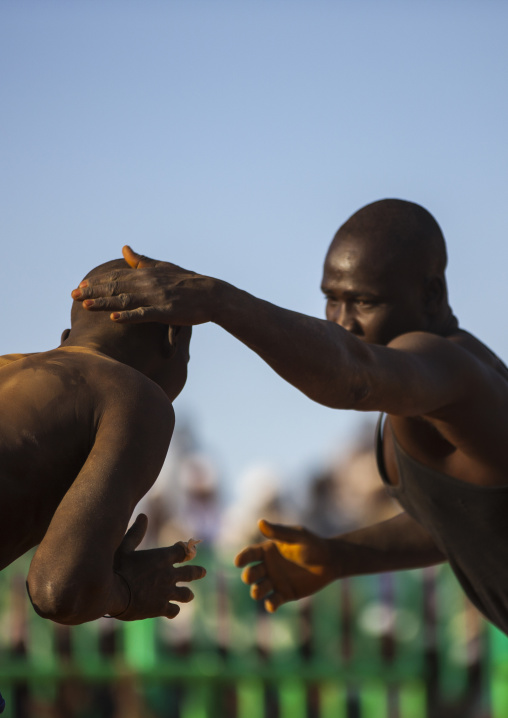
x=83 y=568
x=418 y=374
x=295 y=563
x=397 y=544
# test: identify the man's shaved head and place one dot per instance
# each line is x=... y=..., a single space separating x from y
x=158 y=350
x=78 y=316
x=384 y=273
x=84 y=320
x=399 y=230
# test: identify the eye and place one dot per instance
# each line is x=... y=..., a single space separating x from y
x=366 y=303
x=328 y=298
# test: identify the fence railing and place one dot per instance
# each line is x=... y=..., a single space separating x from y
x=404 y=645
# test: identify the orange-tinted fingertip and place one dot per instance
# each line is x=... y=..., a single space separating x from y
x=270 y=607
x=84 y=283
x=88 y=303
x=76 y=293
x=264 y=527
x=130 y=256
x=114 y=316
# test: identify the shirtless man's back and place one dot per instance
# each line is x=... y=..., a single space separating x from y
x=83 y=436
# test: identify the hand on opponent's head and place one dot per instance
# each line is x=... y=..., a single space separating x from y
x=148 y=291
x=293 y=563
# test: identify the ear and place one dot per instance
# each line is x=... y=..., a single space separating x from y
x=169 y=342
x=435 y=294
x=65 y=335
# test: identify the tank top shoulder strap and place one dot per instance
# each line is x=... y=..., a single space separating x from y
x=379 y=448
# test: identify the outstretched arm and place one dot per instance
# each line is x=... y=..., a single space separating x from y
x=419 y=374
x=295 y=562
x=87 y=566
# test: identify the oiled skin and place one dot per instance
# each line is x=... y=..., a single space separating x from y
x=82 y=438
x=389 y=343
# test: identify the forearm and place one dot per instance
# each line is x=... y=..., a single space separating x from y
x=318 y=357
x=394 y=545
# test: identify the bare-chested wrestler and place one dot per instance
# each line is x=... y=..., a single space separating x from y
x=84 y=431
x=390 y=344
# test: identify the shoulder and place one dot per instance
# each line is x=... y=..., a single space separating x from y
x=98 y=383
x=461 y=349
x=468 y=373
x=119 y=386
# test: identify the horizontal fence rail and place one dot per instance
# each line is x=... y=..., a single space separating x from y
x=404 y=645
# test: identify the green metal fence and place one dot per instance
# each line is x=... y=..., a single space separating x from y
x=402 y=645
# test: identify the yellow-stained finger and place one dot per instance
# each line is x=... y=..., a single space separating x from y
x=135 y=260
x=248 y=555
x=273 y=602
x=251 y=574
x=262 y=589
x=281 y=532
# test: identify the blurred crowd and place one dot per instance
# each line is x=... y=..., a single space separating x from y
x=190 y=499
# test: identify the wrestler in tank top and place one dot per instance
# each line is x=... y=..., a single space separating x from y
x=469 y=524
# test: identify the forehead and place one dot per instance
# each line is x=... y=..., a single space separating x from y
x=356 y=260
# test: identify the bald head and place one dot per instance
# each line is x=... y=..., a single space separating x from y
x=384 y=273
x=125 y=342
x=79 y=317
x=399 y=231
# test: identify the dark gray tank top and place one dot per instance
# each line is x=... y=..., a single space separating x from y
x=469 y=524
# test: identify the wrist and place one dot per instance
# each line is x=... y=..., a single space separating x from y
x=219 y=293
x=341 y=558
x=122 y=596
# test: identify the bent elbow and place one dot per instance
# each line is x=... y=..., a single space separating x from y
x=61 y=604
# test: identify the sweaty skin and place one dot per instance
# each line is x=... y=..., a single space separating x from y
x=83 y=437
x=390 y=343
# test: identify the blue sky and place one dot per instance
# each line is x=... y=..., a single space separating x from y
x=234 y=138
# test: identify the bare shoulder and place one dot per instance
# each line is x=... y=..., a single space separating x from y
x=89 y=381
x=461 y=349
x=114 y=385
x=465 y=399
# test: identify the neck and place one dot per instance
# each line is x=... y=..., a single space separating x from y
x=124 y=349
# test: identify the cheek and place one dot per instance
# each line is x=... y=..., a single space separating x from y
x=376 y=326
x=331 y=309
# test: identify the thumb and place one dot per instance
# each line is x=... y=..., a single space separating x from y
x=135 y=260
x=135 y=534
x=281 y=532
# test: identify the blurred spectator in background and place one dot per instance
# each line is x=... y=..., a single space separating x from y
x=347 y=492
x=258 y=493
